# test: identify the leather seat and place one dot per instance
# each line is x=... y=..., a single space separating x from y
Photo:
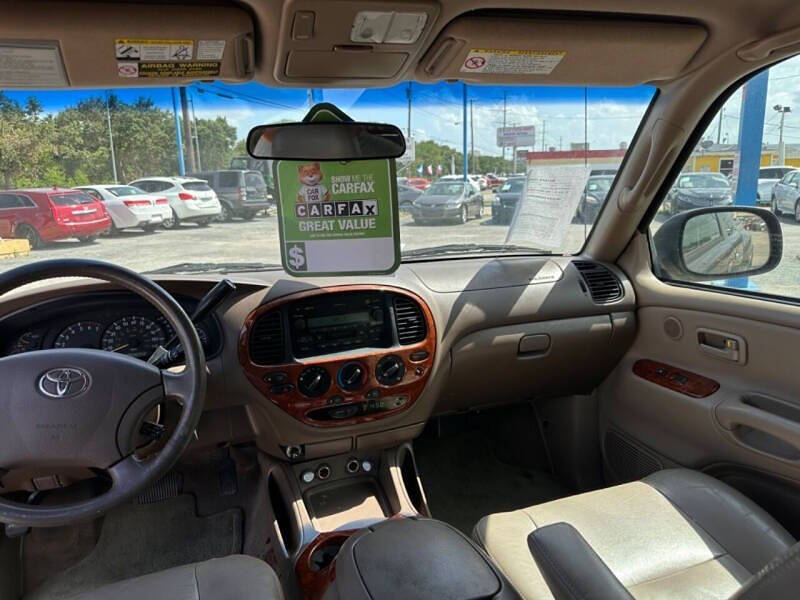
x=231 y=578
x=675 y=534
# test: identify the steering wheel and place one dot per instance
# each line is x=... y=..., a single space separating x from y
x=83 y=408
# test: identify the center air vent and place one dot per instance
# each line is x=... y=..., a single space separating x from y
x=266 y=340
x=411 y=327
x=603 y=284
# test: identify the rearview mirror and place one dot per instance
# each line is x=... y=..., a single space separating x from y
x=718 y=243
x=327 y=140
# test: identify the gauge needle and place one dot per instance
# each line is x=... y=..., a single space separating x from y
x=118 y=348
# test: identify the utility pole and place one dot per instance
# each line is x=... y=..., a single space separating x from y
x=544 y=129
x=781 y=147
x=472 y=135
x=196 y=135
x=559 y=143
x=408 y=97
x=464 y=131
x=178 y=140
x=111 y=141
x=187 y=130
x=504 y=126
x=719 y=124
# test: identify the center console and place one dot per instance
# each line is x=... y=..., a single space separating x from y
x=340 y=355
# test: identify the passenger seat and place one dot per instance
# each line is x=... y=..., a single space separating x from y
x=676 y=534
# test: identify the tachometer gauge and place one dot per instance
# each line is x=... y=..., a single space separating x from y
x=133 y=335
x=169 y=331
x=30 y=340
x=83 y=334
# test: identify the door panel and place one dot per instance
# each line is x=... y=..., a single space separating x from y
x=752 y=420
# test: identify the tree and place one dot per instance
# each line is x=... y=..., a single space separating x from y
x=217 y=139
x=25 y=149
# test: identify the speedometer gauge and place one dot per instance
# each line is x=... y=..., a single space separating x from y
x=133 y=335
x=83 y=334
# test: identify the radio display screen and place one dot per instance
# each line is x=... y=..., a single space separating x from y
x=341 y=319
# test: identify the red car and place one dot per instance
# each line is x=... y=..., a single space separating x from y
x=493 y=181
x=43 y=215
x=418 y=182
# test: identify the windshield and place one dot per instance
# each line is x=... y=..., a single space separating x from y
x=125 y=190
x=703 y=181
x=146 y=136
x=445 y=189
x=513 y=185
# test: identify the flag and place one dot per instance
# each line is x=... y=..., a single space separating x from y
x=430 y=169
x=439 y=170
x=419 y=169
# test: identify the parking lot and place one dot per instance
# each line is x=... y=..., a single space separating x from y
x=257 y=241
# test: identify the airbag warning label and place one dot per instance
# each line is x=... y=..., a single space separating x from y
x=512 y=62
x=199 y=69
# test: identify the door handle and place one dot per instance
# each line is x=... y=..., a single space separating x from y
x=719 y=344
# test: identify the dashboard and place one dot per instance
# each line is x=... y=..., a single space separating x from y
x=112 y=321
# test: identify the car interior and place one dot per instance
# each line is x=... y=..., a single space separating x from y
x=618 y=421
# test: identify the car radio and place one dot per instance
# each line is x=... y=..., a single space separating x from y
x=335 y=323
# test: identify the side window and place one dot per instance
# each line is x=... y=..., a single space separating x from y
x=142 y=185
x=228 y=180
x=8 y=201
x=749 y=156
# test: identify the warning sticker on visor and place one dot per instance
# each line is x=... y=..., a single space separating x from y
x=512 y=62
x=199 y=69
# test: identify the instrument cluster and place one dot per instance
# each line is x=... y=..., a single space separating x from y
x=115 y=322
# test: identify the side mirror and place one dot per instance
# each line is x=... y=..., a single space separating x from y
x=717 y=243
x=326 y=140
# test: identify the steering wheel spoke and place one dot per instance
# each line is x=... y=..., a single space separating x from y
x=178 y=385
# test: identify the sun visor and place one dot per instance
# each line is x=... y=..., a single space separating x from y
x=85 y=45
x=536 y=51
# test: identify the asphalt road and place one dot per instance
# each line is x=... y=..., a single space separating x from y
x=256 y=241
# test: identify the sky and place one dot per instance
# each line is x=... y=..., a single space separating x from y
x=605 y=117
x=437 y=111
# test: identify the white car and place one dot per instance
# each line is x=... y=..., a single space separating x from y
x=189 y=198
x=130 y=206
x=767 y=178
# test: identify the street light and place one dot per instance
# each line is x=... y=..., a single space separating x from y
x=781 y=147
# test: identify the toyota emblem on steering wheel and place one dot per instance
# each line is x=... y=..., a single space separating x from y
x=64 y=383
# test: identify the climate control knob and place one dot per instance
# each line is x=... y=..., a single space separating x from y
x=313 y=382
x=351 y=376
x=390 y=370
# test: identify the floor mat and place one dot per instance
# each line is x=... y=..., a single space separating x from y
x=142 y=538
x=464 y=479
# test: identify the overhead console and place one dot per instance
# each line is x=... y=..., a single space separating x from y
x=338 y=41
x=340 y=355
x=536 y=48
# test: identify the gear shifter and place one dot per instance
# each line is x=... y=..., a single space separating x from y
x=170 y=352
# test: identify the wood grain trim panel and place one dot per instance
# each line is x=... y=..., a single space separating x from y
x=676 y=379
x=314 y=582
x=298 y=405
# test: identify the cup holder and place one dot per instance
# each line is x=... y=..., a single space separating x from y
x=323 y=555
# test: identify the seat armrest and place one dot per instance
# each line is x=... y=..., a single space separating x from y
x=571 y=568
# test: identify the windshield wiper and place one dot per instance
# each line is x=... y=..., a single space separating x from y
x=473 y=249
x=188 y=268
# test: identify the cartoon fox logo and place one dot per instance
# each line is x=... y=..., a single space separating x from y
x=311 y=188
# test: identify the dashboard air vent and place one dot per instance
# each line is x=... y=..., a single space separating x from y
x=411 y=327
x=603 y=284
x=266 y=340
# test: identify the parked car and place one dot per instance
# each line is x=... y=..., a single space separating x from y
x=505 y=200
x=494 y=181
x=696 y=190
x=448 y=200
x=406 y=196
x=129 y=207
x=480 y=180
x=241 y=193
x=190 y=199
x=767 y=178
x=594 y=195
x=417 y=182
x=786 y=195
x=43 y=215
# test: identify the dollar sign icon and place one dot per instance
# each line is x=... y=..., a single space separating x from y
x=297 y=256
